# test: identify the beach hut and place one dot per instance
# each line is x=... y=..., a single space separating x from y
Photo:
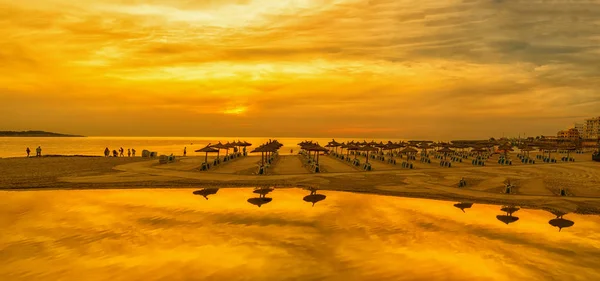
x=208 y=149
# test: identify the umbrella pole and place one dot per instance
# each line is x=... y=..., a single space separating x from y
x=206 y=158
x=262 y=158
x=317 y=157
x=367 y=156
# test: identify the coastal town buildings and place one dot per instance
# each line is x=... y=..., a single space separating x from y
x=591 y=129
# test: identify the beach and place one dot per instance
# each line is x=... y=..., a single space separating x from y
x=535 y=186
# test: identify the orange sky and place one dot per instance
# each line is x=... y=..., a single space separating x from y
x=378 y=68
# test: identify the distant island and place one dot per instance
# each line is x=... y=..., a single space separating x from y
x=36 y=134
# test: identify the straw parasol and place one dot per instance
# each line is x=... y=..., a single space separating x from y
x=316 y=148
x=208 y=149
x=219 y=146
x=262 y=149
x=368 y=148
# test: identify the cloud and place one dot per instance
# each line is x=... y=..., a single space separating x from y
x=315 y=65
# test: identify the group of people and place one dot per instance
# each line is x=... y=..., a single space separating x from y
x=38 y=151
x=120 y=152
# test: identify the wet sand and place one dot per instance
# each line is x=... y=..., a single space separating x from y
x=536 y=186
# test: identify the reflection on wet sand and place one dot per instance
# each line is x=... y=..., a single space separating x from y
x=508 y=218
x=262 y=199
x=559 y=221
x=259 y=201
x=314 y=197
x=463 y=205
x=206 y=191
x=263 y=191
x=166 y=234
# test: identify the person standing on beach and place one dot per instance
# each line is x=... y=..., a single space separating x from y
x=121 y=150
x=38 y=151
x=28 y=151
x=133 y=152
x=184 y=151
x=129 y=152
x=106 y=152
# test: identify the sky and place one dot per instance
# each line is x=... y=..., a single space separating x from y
x=330 y=68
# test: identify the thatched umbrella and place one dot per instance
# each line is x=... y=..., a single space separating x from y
x=526 y=149
x=316 y=148
x=262 y=149
x=445 y=150
x=244 y=144
x=314 y=198
x=408 y=150
x=334 y=144
x=208 y=149
x=368 y=148
x=353 y=148
x=219 y=146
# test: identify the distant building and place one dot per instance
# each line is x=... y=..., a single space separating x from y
x=568 y=134
x=579 y=127
x=591 y=128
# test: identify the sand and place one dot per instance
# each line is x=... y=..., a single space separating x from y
x=536 y=186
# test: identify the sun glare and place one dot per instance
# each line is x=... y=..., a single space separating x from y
x=235 y=110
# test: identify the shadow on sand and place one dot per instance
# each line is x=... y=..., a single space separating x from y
x=206 y=191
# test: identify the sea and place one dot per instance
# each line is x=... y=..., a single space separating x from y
x=94 y=146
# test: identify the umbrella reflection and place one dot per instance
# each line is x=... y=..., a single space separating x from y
x=206 y=191
x=263 y=191
x=314 y=197
x=508 y=218
x=559 y=221
x=259 y=201
x=463 y=205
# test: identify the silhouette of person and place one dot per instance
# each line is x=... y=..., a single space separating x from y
x=128 y=152
x=184 y=151
x=28 y=151
x=38 y=151
x=291 y=151
x=106 y=152
x=121 y=150
x=115 y=153
x=133 y=152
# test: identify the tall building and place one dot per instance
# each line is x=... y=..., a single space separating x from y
x=591 y=128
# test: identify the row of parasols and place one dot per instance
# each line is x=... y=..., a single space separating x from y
x=269 y=152
x=237 y=146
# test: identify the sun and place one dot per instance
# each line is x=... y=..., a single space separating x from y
x=235 y=110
